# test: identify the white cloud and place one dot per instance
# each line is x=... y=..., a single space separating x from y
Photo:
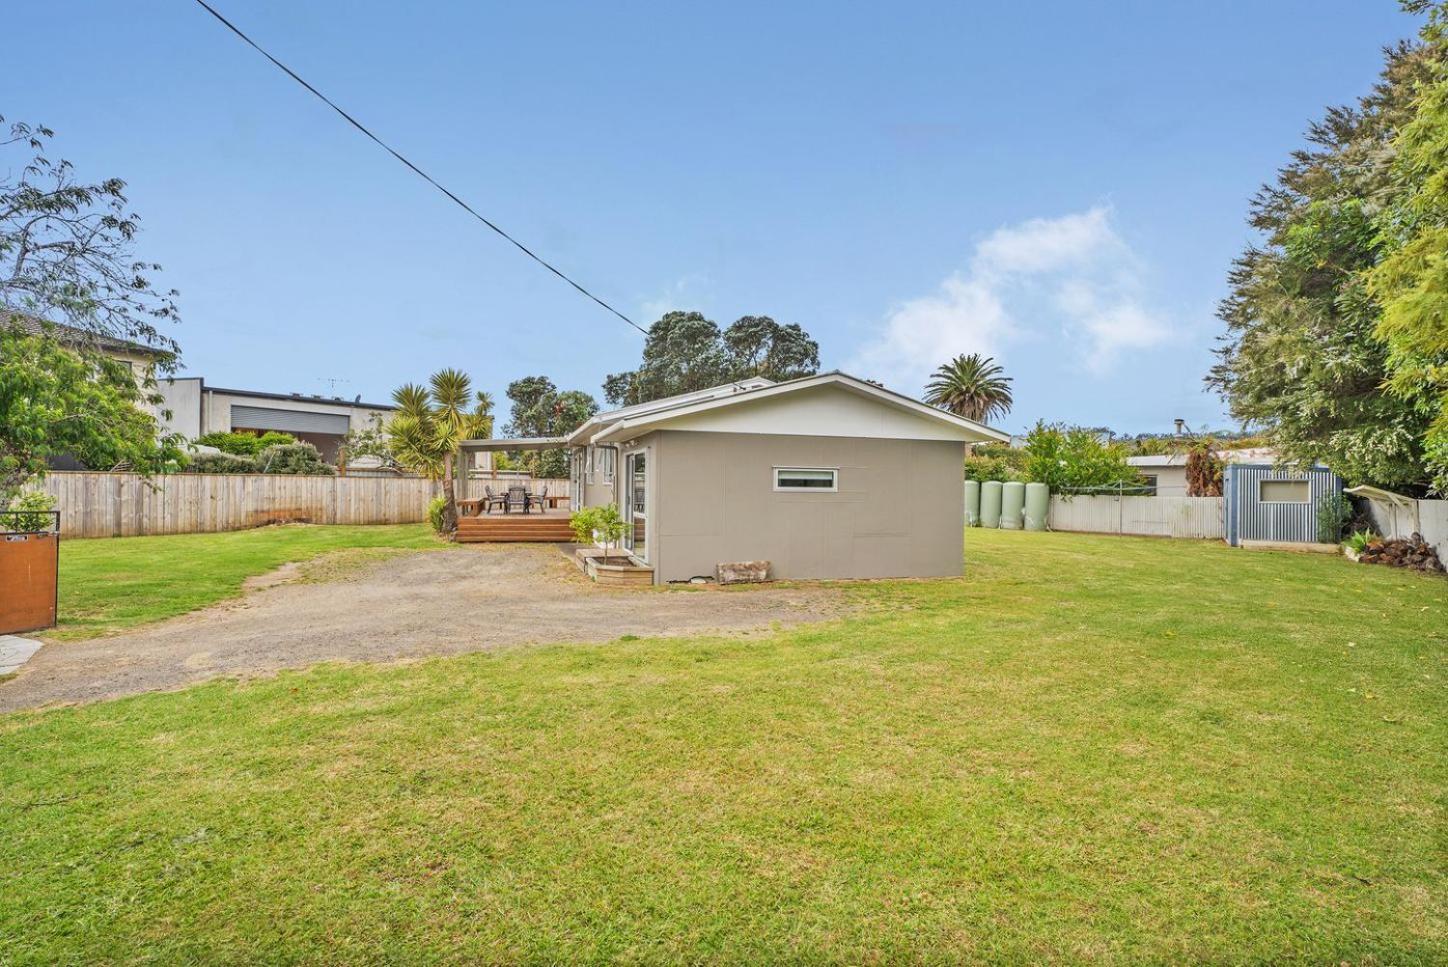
x=684 y=293
x=1071 y=277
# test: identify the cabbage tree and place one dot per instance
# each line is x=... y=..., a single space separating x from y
x=431 y=423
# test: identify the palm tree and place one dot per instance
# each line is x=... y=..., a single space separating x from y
x=430 y=424
x=971 y=386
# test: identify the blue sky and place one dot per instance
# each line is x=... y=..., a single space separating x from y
x=1061 y=184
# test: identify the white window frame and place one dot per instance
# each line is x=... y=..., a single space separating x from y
x=608 y=463
x=1285 y=503
x=833 y=488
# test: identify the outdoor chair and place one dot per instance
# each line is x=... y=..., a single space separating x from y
x=541 y=500
x=490 y=500
x=517 y=497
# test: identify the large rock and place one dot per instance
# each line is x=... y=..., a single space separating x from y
x=742 y=572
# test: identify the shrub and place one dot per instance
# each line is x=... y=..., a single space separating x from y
x=603 y=524
x=32 y=512
x=293 y=458
x=583 y=521
x=220 y=463
x=435 y=507
x=995 y=461
x=245 y=444
x=1069 y=458
x=1358 y=541
x=1334 y=513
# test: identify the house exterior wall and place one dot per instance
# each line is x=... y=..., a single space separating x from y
x=181 y=396
x=899 y=510
x=1170 y=481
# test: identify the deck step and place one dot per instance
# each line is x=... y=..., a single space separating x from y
x=550 y=530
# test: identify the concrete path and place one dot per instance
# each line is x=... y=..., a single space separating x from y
x=14 y=652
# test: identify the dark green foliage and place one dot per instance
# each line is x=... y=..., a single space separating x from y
x=1334 y=515
x=541 y=410
x=686 y=352
x=221 y=463
x=1303 y=356
x=244 y=444
x=293 y=458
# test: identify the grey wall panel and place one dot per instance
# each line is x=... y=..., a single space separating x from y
x=899 y=510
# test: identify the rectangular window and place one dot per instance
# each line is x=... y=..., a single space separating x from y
x=800 y=478
x=1283 y=492
x=606 y=457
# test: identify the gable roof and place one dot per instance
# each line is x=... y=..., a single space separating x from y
x=595 y=423
x=634 y=421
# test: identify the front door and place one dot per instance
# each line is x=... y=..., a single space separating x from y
x=636 y=508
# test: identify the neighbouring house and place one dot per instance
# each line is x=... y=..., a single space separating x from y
x=1166 y=473
x=828 y=476
x=142 y=359
x=196 y=409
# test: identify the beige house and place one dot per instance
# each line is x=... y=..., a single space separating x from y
x=193 y=409
x=1167 y=472
x=828 y=476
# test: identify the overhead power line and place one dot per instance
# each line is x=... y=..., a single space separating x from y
x=415 y=169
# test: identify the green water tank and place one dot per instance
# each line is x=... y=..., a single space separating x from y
x=1013 y=505
x=1038 y=505
x=972 y=503
x=990 y=503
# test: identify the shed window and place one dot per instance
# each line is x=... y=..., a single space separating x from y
x=798 y=478
x=1283 y=492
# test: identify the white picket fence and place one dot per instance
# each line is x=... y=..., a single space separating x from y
x=1199 y=517
x=128 y=505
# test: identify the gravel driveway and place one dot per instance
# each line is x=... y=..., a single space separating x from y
x=431 y=603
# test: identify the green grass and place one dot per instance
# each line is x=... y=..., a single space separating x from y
x=1089 y=749
x=111 y=585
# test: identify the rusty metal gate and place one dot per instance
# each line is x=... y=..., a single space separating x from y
x=29 y=559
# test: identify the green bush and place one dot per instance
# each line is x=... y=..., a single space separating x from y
x=604 y=524
x=245 y=444
x=32 y=507
x=584 y=521
x=220 y=463
x=435 y=507
x=1334 y=514
x=1067 y=458
x=1359 y=540
x=995 y=461
x=293 y=458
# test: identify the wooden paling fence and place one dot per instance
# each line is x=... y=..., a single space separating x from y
x=128 y=505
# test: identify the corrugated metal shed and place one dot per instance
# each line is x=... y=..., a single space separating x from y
x=1263 y=505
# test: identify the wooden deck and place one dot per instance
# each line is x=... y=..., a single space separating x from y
x=546 y=528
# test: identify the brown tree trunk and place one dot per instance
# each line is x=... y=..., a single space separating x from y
x=450 y=504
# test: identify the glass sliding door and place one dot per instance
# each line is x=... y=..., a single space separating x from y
x=635 y=503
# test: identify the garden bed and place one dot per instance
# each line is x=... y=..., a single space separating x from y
x=613 y=568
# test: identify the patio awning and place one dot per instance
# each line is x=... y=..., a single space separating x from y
x=518 y=443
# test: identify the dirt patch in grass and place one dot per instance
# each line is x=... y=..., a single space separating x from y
x=384 y=604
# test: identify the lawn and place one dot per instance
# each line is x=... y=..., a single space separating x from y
x=111 y=585
x=1090 y=748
